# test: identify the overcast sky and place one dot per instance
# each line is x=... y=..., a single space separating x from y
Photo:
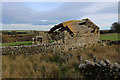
x=44 y=15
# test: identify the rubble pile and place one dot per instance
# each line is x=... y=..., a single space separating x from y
x=100 y=69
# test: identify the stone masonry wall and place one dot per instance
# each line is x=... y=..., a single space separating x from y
x=80 y=40
x=34 y=49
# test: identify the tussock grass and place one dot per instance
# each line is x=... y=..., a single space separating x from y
x=58 y=65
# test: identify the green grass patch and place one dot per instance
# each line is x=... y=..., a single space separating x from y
x=112 y=36
x=51 y=41
x=17 y=43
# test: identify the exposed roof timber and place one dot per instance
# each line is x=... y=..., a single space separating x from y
x=55 y=27
x=74 y=26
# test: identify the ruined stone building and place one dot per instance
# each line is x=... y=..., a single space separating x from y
x=73 y=33
x=64 y=36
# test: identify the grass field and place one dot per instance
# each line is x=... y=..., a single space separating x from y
x=56 y=65
x=112 y=36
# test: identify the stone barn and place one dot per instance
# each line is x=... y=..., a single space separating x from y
x=75 y=33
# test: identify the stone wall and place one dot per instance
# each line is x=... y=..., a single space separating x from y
x=80 y=40
x=100 y=69
x=34 y=49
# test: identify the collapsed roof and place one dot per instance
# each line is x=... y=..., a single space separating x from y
x=75 y=26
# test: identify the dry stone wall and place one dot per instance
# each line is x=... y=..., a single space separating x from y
x=34 y=49
x=100 y=69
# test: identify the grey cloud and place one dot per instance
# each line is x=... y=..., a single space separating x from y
x=19 y=13
x=110 y=9
x=15 y=12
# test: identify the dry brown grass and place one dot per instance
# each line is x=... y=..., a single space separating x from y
x=57 y=65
